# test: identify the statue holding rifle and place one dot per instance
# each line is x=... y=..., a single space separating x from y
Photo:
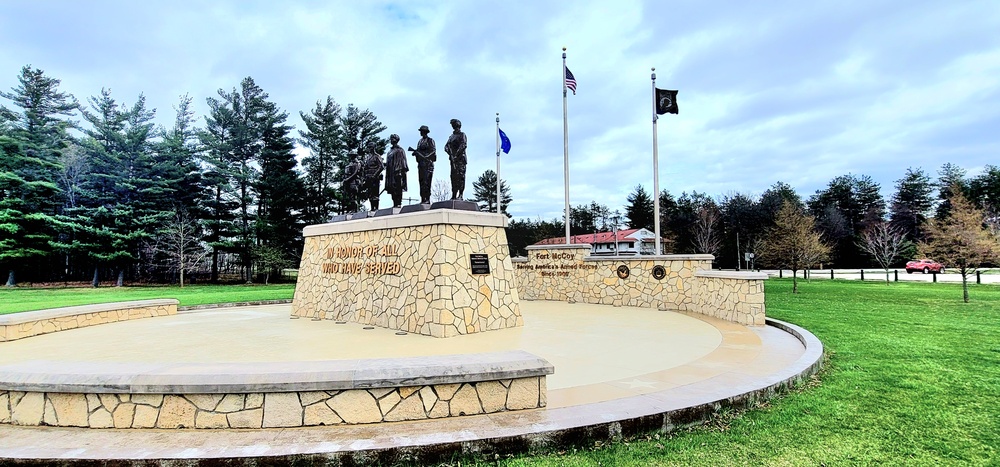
x=426 y=154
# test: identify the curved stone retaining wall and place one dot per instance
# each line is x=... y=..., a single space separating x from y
x=32 y=323
x=270 y=395
x=687 y=283
x=270 y=410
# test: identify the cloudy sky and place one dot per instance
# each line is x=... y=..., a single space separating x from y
x=793 y=91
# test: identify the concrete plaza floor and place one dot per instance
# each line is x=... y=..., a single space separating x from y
x=611 y=364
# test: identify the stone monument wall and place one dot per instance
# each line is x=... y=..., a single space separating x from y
x=440 y=273
x=667 y=282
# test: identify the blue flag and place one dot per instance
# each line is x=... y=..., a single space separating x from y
x=504 y=142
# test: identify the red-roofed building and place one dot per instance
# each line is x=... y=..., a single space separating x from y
x=630 y=242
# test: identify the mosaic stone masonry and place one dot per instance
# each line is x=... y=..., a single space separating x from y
x=568 y=272
x=410 y=272
x=271 y=410
x=20 y=325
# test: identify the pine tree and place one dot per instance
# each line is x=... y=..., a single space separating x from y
x=844 y=210
x=127 y=194
x=361 y=130
x=668 y=208
x=24 y=232
x=235 y=128
x=741 y=221
x=220 y=201
x=984 y=191
x=639 y=209
x=324 y=137
x=279 y=193
x=34 y=139
x=684 y=218
x=911 y=204
x=951 y=180
x=485 y=191
x=589 y=218
x=771 y=200
x=177 y=160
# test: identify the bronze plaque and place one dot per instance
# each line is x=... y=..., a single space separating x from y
x=479 y=263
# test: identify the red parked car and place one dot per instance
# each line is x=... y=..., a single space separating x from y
x=925 y=266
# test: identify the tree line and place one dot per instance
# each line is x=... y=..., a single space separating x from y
x=96 y=191
x=731 y=225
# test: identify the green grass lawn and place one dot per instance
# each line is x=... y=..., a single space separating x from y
x=913 y=378
x=25 y=299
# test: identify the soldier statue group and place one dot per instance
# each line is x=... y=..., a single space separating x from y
x=364 y=175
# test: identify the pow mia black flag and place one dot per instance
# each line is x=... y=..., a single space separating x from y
x=666 y=101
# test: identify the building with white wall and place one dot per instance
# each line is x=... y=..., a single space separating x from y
x=630 y=242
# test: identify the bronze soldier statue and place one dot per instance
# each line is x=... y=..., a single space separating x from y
x=455 y=147
x=351 y=186
x=396 y=168
x=372 y=168
x=425 y=154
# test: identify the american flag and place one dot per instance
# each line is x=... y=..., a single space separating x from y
x=570 y=80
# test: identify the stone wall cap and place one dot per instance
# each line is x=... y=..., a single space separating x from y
x=561 y=246
x=732 y=274
x=38 y=315
x=411 y=219
x=230 y=378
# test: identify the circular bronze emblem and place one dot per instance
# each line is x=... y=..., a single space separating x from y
x=623 y=272
x=659 y=272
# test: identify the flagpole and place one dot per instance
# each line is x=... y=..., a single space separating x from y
x=565 y=146
x=656 y=172
x=498 y=162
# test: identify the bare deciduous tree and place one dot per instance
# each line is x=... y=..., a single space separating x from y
x=440 y=190
x=706 y=231
x=178 y=245
x=885 y=244
x=793 y=242
x=961 y=240
x=74 y=167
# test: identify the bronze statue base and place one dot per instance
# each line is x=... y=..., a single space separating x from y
x=414 y=208
x=459 y=204
x=387 y=212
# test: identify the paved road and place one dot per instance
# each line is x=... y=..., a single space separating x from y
x=990 y=276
